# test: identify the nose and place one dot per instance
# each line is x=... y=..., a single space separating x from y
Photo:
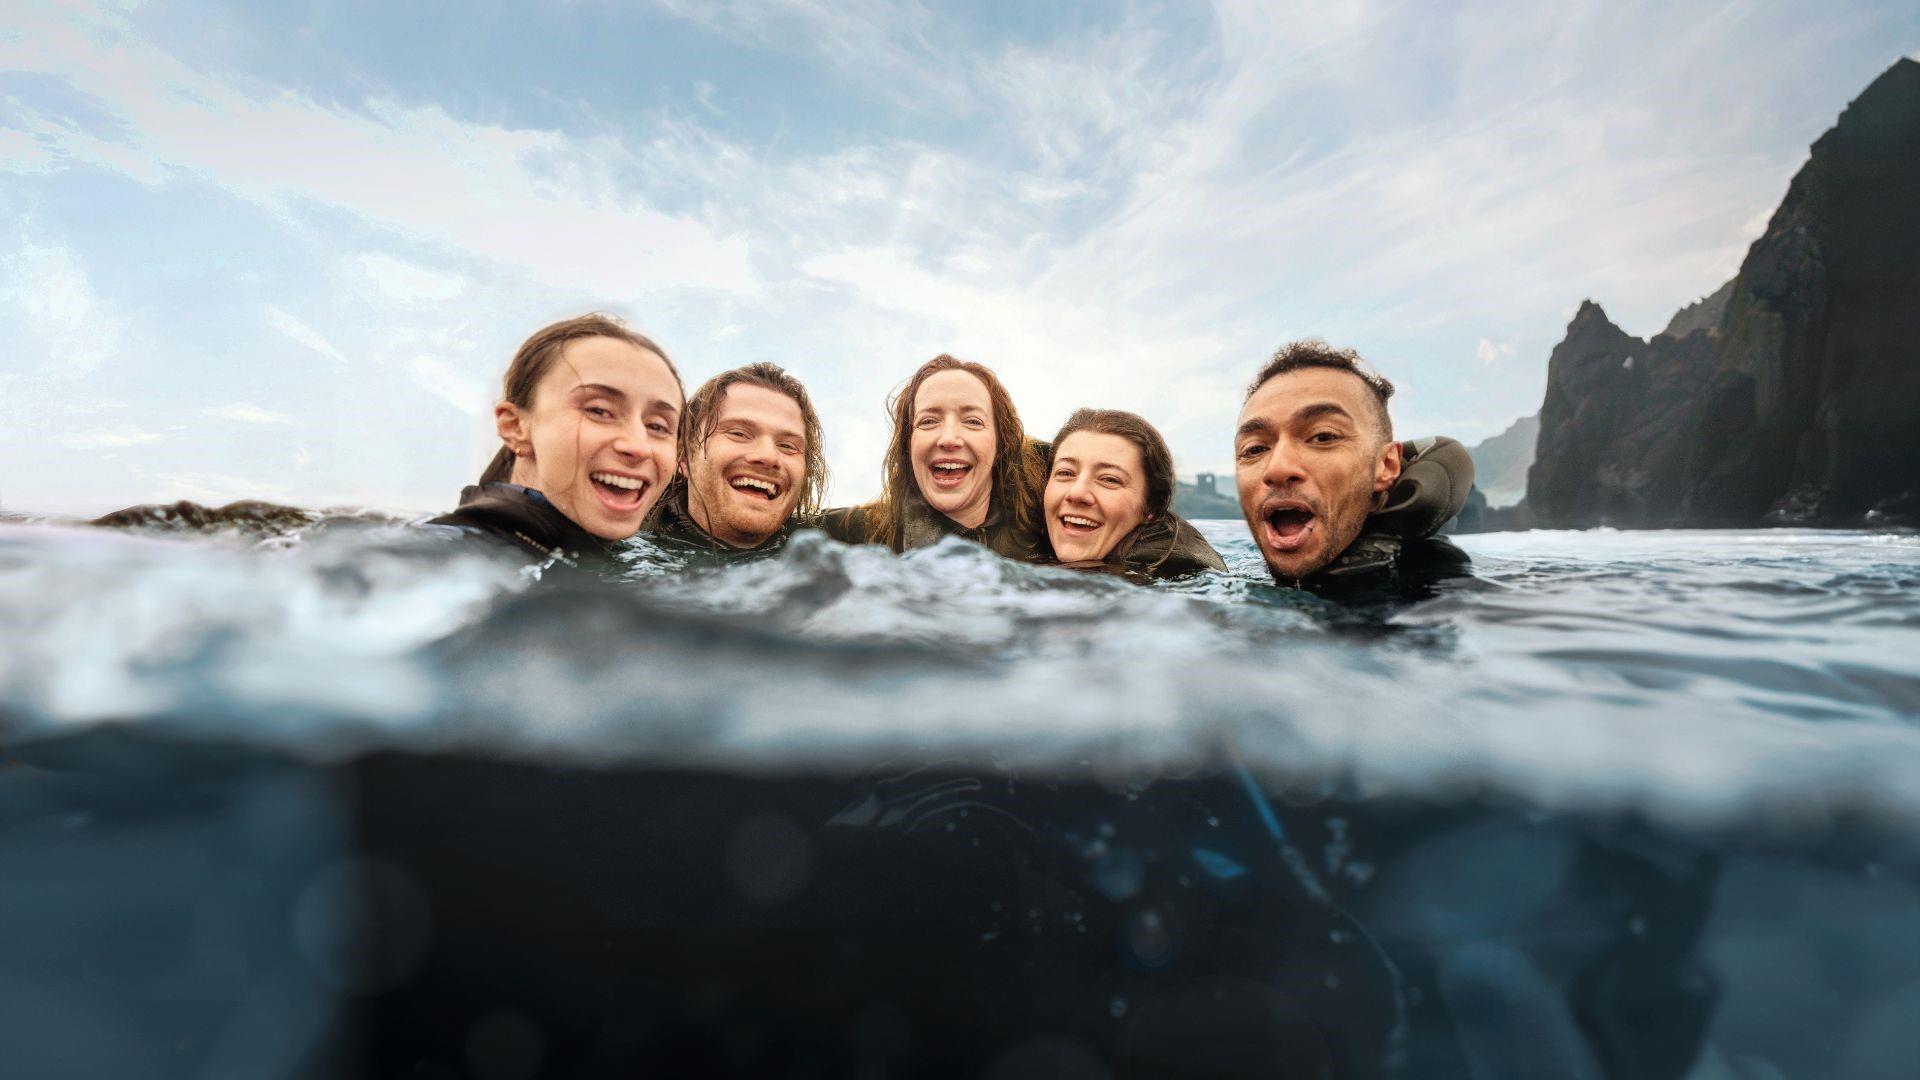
x=950 y=435
x=637 y=446
x=760 y=451
x=1079 y=491
x=1284 y=466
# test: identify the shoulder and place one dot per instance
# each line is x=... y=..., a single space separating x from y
x=847 y=524
x=1167 y=547
x=1436 y=473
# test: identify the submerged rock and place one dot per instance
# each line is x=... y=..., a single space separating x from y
x=247 y=515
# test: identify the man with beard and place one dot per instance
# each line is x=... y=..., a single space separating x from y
x=1333 y=501
x=751 y=462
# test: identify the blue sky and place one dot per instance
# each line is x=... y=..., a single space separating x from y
x=284 y=250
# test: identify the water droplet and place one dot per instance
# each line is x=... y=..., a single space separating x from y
x=1118 y=1007
x=1637 y=926
x=1212 y=822
x=1333 y=982
x=1340 y=937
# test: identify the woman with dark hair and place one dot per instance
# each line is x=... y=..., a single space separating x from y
x=588 y=421
x=1109 y=497
x=959 y=464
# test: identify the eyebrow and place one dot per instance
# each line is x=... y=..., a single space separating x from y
x=962 y=408
x=778 y=432
x=603 y=390
x=1115 y=466
x=1259 y=425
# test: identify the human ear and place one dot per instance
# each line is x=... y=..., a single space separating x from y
x=511 y=424
x=1387 y=470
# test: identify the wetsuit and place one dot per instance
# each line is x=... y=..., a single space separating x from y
x=1166 y=547
x=923 y=526
x=1400 y=551
x=523 y=518
x=673 y=529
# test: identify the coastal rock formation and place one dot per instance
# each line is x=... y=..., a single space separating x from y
x=1809 y=416
x=1500 y=463
x=1613 y=448
x=1788 y=395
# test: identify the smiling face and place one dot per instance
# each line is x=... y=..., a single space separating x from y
x=952 y=446
x=597 y=435
x=744 y=478
x=1095 y=495
x=1311 y=463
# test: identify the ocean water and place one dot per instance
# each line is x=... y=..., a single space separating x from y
x=1729 y=718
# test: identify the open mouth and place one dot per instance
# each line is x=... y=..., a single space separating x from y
x=1075 y=525
x=621 y=494
x=754 y=487
x=950 y=474
x=1288 y=527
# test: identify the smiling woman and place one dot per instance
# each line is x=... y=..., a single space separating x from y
x=588 y=421
x=1108 y=499
x=959 y=464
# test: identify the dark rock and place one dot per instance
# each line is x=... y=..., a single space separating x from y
x=1785 y=397
x=1612 y=444
x=1809 y=415
x=1899 y=511
x=247 y=515
x=1703 y=314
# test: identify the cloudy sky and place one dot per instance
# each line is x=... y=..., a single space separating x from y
x=284 y=250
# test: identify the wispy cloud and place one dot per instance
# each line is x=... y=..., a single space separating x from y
x=57 y=323
x=113 y=438
x=1121 y=207
x=545 y=203
x=246 y=413
x=297 y=330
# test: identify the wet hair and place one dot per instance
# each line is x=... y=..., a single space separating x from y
x=702 y=413
x=1016 y=465
x=538 y=353
x=1155 y=458
x=1315 y=353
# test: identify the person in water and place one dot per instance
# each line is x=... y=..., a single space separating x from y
x=751 y=465
x=588 y=420
x=1108 y=500
x=959 y=464
x=1329 y=495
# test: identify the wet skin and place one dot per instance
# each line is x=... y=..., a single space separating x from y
x=759 y=439
x=952 y=445
x=1096 y=494
x=1311 y=463
x=598 y=436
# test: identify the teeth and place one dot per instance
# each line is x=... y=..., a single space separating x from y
x=750 y=482
x=1071 y=520
x=949 y=466
x=616 y=480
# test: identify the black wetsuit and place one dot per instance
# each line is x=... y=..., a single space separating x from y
x=1166 y=547
x=671 y=528
x=523 y=518
x=1399 y=553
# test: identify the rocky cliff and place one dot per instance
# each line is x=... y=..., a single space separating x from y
x=1809 y=417
x=1612 y=448
x=1789 y=395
